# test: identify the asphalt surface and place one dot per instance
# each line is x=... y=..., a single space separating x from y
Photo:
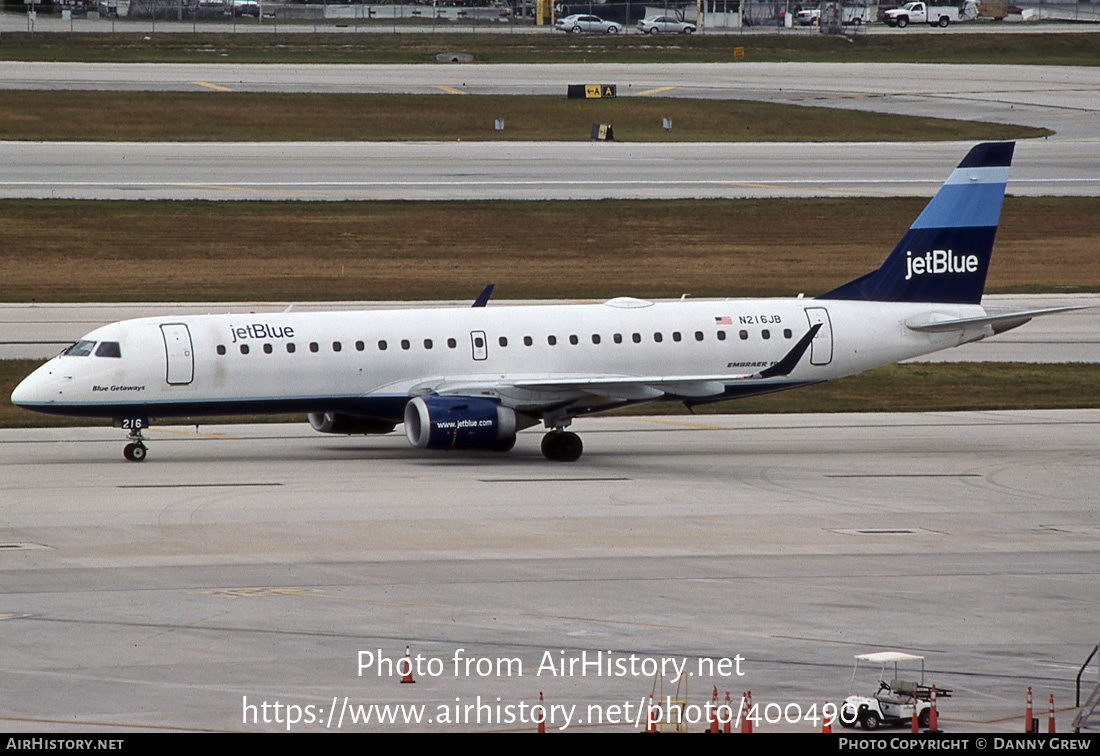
x=1064 y=99
x=242 y=565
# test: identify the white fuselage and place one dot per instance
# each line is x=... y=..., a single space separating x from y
x=318 y=362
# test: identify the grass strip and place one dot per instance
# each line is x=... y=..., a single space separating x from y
x=205 y=46
x=88 y=251
x=260 y=117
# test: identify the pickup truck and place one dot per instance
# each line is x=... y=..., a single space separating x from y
x=923 y=13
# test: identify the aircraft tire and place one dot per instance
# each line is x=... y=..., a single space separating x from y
x=561 y=446
x=135 y=452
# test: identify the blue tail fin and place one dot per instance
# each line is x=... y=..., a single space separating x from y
x=945 y=254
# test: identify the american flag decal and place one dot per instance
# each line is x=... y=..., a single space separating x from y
x=726 y=320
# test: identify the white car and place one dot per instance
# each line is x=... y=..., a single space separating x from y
x=582 y=22
x=808 y=17
x=665 y=25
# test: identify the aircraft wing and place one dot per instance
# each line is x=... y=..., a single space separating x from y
x=999 y=323
x=623 y=387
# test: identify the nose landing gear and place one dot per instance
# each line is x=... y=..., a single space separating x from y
x=135 y=451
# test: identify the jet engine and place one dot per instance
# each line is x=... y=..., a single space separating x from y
x=459 y=422
x=338 y=422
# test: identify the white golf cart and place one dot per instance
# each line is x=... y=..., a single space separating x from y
x=895 y=699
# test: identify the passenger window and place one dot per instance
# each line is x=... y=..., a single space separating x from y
x=428 y=343
x=636 y=338
x=675 y=335
x=721 y=335
x=658 y=337
x=290 y=347
x=478 y=342
x=551 y=340
x=744 y=335
x=765 y=334
x=595 y=338
x=787 y=333
x=573 y=339
x=503 y=341
x=405 y=344
x=267 y=348
x=336 y=347
x=314 y=346
x=382 y=346
x=618 y=338
x=244 y=348
x=221 y=348
x=698 y=335
x=360 y=346
x=451 y=343
x=108 y=349
x=528 y=341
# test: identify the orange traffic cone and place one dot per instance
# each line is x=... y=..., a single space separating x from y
x=729 y=713
x=408 y=676
x=826 y=728
x=1028 y=714
x=1050 y=717
x=746 y=723
x=542 y=716
x=714 y=711
x=933 y=715
x=650 y=724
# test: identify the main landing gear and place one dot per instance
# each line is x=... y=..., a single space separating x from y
x=562 y=446
x=135 y=451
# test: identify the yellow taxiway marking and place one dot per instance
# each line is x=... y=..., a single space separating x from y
x=449 y=90
x=215 y=87
x=602 y=621
x=684 y=423
x=188 y=433
x=658 y=90
x=277 y=192
x=313 y=593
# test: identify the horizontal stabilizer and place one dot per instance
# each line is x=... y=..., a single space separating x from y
x=999 y=323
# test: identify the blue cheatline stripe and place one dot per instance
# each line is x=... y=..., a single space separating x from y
x=963 y=206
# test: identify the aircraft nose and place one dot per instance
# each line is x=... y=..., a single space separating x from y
x=26 y=392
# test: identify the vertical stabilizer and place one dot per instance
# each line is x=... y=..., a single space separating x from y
x=945 y=254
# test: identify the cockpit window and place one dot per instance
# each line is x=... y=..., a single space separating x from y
x=80 y=349
x=108 y=349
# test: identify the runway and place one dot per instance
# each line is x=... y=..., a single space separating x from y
x=39 y=331
x=260 y=561
x=1065 y=99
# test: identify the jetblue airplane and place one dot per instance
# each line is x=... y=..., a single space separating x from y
x=472 y=377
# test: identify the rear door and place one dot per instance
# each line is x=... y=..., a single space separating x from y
x=821 y=348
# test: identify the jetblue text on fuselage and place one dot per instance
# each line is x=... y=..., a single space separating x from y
x=260 y=331
x=939 y=261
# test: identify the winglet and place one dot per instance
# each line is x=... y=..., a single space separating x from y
x=483 y=297
x=788 y=363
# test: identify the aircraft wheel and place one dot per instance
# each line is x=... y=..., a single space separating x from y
x=135 y=452
x=562 y=446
